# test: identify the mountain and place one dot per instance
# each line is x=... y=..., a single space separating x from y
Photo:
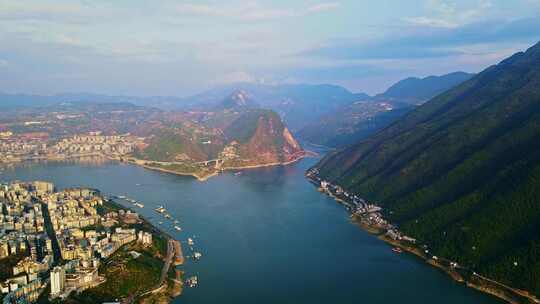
x=352 y=123
x=17 y=101
x=418 y=90
x=297 y=104
x=461 y=173
x=360 y=119
x=238 y=100
x=204 y=143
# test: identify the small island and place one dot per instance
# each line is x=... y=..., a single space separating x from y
x=78 y=246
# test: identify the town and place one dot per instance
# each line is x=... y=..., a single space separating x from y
x=38 y=146
x=59 y=239
x=368 y=214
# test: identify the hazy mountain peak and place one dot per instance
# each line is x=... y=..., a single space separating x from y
x=238 y=99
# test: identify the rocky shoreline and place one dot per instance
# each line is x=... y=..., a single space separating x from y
x=457 y=273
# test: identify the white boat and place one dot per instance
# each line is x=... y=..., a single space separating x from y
x=121 y=197
x=192 y=281
x=190 y=241
x=177 y=228
x=160 y=209
x=197 y=255
x=139 y=205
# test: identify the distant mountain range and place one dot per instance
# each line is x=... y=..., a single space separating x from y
x=297 y=104
x=358 y=120
x=301 y=106
x=461 y=173
x=416 y=91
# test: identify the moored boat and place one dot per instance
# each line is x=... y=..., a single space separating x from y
x=397 y=250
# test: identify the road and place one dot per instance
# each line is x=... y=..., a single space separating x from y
x=168 y=260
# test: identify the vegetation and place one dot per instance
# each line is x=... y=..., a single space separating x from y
x=416 y=90
x=164 y=146
x=462 y=172
x=352 y=123
x=125 y=275
x=7 y=263
x=251 y=136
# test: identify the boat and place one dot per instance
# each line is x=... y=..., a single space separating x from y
x=139 y=205
x=192 y=281
x=397 y=250
x=190 y=241
x=161 y=223
x=168 y=216
x=160 y=209
x=176 y=221
x=177 y=228
x=121 y=197
x=238 y=173
x=197 y=255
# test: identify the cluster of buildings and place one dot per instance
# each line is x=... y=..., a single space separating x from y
x=369 y=213
x=15 y=148
x=94 y=142
x=58 y=237
x=23 y=236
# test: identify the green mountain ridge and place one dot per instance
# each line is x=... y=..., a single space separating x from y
x=462 y=172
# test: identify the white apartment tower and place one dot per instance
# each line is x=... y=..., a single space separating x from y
x=58 y=279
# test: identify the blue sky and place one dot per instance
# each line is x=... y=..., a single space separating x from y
x=181 y=47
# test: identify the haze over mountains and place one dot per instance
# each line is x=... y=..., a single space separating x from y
x=416 y=91
x=360 y=119
x=301 y=106
x=461 y=173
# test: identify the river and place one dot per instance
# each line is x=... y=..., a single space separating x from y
x=267 y=236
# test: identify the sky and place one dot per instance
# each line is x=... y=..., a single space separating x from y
x=135 y=47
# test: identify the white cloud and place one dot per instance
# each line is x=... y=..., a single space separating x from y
x=250 y=11
x=447 y=14
x=324 y=7
x=235 y=77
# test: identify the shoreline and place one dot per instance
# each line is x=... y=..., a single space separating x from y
x=457 y=273
x=142 y=163
x=173 y=258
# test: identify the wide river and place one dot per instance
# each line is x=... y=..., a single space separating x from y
x=267 y=236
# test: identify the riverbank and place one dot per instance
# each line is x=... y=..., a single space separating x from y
x=138 y=273
x=373 y=223
x=171 y=283
x=205 y=175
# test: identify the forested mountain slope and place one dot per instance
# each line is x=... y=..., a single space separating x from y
x=462 y=171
